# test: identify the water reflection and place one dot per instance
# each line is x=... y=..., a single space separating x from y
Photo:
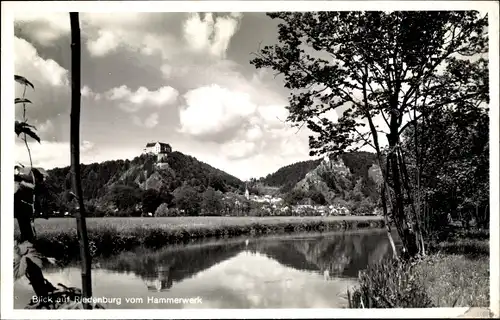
x=162 y=280
x=280 y=272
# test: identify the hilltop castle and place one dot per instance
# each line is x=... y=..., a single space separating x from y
x=158 y=148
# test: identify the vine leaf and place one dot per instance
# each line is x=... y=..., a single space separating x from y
x=24 y=127
x=22 y=80
x=22 y=100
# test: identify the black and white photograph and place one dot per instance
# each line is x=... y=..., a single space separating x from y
x=250 y=157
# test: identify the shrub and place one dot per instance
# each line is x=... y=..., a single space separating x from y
x=389 y=284
x=164 y=211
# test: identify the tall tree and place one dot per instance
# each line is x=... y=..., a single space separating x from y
x=211 y=202
x=188 y=199
x=75 y=156
x=378 y=67
x=454 y=171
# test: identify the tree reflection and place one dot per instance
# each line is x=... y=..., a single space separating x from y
x=331 y=255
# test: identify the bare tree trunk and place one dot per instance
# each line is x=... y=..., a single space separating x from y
x=486 y=218
x=419 y=241
x=402 y=222
x=386 y=220
x=75 y=156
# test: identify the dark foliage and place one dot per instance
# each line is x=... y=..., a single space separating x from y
x=286 y=177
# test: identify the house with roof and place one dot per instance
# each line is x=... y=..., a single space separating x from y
x=158 y=148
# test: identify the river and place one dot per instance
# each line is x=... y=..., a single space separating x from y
x=294 y=271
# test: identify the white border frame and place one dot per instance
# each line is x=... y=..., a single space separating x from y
x=7 y=145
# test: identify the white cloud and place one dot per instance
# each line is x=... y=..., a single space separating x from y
x=136 y=32
x=131 y=101
x=246 y=132
x=30 y=65
x=118 y=93
x=51 y=94
x=88 y=93
x=106 y=42
x=210 y=35
x=147 y=33
x=43 y=28
x=213 y=109
x=197 y=31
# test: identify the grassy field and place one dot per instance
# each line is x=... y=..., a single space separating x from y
x=57 y=237
x=453 y=280
x=456 y=274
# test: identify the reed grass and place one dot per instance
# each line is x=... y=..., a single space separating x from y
x=390 y=284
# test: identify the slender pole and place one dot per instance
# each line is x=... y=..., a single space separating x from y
x=75 y=156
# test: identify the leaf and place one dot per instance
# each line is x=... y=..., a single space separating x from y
x=19 y=268
x=22 y=252
x=24 y=248
x=18 y=126
x=22 y=80
x=22 y=100
x=26 y=130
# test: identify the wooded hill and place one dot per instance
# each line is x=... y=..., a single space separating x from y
x=349 y=181
x=125 y=180
x=288 y=176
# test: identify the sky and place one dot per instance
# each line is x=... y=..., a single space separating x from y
x=179 y=78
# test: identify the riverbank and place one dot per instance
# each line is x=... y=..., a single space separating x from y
x=57 y=237
x=455 y=273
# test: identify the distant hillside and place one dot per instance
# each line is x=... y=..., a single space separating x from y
x=350 y=180
x=140 y=174
x=288 y=176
